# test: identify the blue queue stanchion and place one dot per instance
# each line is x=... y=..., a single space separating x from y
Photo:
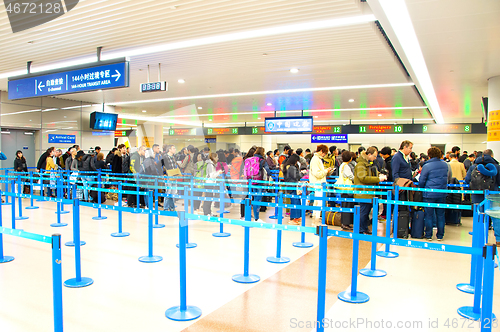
x=183 y=312
x=189 y=245
x=150 y=258
x=78 y=281
x=57 y=283
x=137 y=197
x=13 y=210
x=469 y=287
x=156 y=224
x=58 y=212
x=120 y=232
x=387 y=253
x=373 y=271
x=302 y=243
x=246 y=278
x=31 y=207
x=60 y=194
x=322 y=232
x=99 y=194
x=221 y=212
x=68 y=185
x=278 y=259
x=352 y=295
x=72 y=243
x=487 y=316
x=276 y=190
x=7 y=188
x=3 y=259
x=20 y=199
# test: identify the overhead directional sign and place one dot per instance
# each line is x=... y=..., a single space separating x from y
x=340 y=138
x=67 y=139
x=107 y=76
x=303 y=124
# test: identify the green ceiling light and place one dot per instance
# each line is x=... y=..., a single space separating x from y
x=467 y=101
x=124 y=121
x=136 y=122
x=398 y=112
x=235 y=110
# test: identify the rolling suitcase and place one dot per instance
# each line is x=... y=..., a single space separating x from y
x=417 y=224
x=453 y=217
x=403 y=224
x=467 y=213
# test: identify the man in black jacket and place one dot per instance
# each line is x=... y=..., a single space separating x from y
x=42 y=161
x=136 y=159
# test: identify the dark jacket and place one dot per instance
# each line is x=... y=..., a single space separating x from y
x=484 y=160
x=271 y=163
x=379 y=162
x=116 y=163
x=292 y=174
x=135 y=162
x=109 y=158
x=20 y=165
x=434 y=175
x=42 y=162
x=100 y=164
x=400 y=168
x=68 y=162
x=126 y=163
x=388 y=167
x=463 y=157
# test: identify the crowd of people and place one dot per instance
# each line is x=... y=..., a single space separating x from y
x=367 y=166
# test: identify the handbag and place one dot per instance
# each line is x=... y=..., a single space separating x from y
x=343 y=180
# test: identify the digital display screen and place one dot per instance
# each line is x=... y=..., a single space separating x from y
x=155 y=86
x=103 y=121
x=222 y=131
x=327 y=129
x=182 y=132
x=446 y=129
x=381 y=129
x=302 y=124
x=258 y=130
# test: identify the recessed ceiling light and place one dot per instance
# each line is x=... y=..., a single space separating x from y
x=269 y=104
x=209 y=119
x=257 y=119
x=31 y=42
x=294 y=70
x=264 y=54
x=380 y=115
x=315 y=116
x=351 y=100
x=143 y=111
x=199 y=107
x=181 y=81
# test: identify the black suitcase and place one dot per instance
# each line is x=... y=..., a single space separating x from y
x=417 y=224
x=95 y=194
x=403 y=224
x=467 y=213
x=453 y=217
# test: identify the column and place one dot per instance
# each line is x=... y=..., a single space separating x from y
x=493 y=140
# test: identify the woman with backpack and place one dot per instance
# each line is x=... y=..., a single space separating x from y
x=211 y=175
x=292 y=174
x=254 y=170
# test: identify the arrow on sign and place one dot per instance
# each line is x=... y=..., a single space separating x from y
x=117 y=75
x=40 y=86
x=314 y=138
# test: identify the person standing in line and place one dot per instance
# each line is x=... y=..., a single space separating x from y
x=117 y=161
x=169 y=163
x=188 y=163
x=434 y=175
x=254 y=170
x=230 y=157
x=293 y=174
x=50 y=166
x=469 y=161
x=158 y=158
x=211 y=175
x=346 y=176
x=364 y=175
x=400 y=164
x=308 y=156
x=457 y=168
x=20 y=164
x=317 y=176
x=136 y=160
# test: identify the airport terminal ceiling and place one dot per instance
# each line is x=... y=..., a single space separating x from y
x=342 y=70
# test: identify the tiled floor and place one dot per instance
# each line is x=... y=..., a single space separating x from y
x=131 y=296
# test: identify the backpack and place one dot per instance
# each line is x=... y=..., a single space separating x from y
x=329 y=161
x=201 y=169
x=86 y=162
x=479 y=181
x=252 y=168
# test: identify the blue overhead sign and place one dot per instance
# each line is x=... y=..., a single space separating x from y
x=302 y=124
x=108 y=76
x=338 y=138
x=67 y=139
x=210 y=140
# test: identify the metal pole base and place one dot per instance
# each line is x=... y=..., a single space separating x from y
x=302 y=244
x=72 y=244
x=175 y=313
x=158 y=225
x=150 y=259
x=123 y=234
x=221 y=234
x=278 y=260
x=100 y=218
x=62 y=212
x=359 y=298
x=387 y=254
x=373 y=273
x=22 y=218
x=188 y=245
x=58 y=224
x=32 y=207
x=273 y=217
x=249 y=279
x=468 y=312
x=466 y=288
x=73 y=283
x=6 y=259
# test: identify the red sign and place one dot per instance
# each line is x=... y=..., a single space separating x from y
x=379 y=128
x=322 y=129
x=120 y=133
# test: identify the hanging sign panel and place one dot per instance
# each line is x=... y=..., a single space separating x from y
x=342 y=138
x=108 y=76
x=302 y=124
x=67 y=139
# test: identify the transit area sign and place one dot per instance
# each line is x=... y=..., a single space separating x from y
x=339 y=138
x=90 y=78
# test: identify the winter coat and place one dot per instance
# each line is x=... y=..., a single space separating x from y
x=484 y=160
x=364 y=174
x=434 y=175
x=116 y=163
x=400 y=167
